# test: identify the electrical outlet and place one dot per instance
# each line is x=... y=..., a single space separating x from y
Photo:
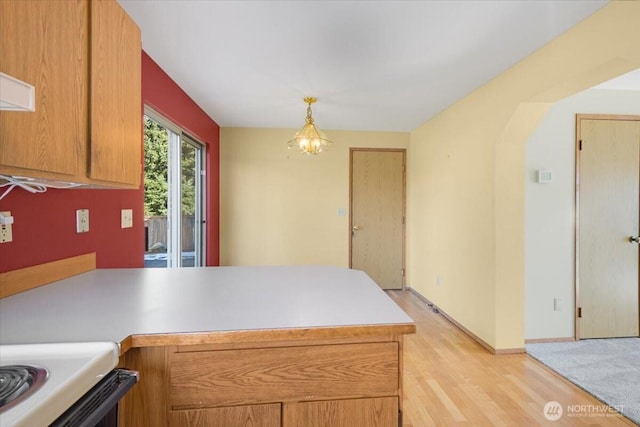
x=557 y=304
x=6 y=233
x=126 y=218
x=437 y=280
x=82 y=220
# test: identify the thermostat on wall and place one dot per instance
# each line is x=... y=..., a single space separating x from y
x=544 y=176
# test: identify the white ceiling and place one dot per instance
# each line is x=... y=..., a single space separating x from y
x=629 y=81
x=374 y=65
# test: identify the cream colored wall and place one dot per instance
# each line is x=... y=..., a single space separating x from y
x=278 y=206
x=550 y=210
x=466 y=168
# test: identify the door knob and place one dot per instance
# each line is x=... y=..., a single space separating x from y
x=635 y=239
x=356 y=227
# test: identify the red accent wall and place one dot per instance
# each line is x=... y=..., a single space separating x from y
x=167 y=98
x=44 y=227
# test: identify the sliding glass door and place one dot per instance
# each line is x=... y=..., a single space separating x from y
x=174 y=189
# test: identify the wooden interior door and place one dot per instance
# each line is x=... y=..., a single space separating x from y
x=608 y=215
x=377 y=215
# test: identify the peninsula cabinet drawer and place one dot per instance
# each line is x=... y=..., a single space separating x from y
x=265 y=375
x=234 y=416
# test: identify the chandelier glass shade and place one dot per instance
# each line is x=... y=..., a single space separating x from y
x=310 y=139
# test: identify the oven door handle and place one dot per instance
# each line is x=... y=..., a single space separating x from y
x=91 y=408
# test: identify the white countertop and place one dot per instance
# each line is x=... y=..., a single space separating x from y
x=113 y=304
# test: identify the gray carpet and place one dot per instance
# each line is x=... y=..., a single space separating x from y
x=609 y=369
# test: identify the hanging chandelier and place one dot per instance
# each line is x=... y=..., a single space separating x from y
x=310 y=139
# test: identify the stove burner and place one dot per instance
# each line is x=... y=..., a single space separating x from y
x=17 y=382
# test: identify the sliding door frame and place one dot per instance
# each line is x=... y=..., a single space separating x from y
x=177 y=137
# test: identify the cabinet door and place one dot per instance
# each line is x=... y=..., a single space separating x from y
x=235 y=416
x=45 y=44
x=116 y=106
x=378 y=412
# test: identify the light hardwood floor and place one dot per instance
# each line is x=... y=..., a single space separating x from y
x=449 y=379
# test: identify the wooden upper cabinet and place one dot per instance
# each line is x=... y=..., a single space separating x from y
x=116 y=106
x=44 y=43
x=84 y=59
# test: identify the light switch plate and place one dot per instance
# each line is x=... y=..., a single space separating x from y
x=82 y=220
x=126 y=218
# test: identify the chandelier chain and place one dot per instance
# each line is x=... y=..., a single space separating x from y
x=309 y=119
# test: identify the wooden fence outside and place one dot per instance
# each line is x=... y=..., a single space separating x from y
x=156 y=233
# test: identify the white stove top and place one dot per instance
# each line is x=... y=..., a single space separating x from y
x=73 y=369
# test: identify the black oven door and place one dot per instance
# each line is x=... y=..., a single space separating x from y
x=99 y=406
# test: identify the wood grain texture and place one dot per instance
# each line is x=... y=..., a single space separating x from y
x=116 y=108
x=233 y=416
x=267 y=335
x=284 y=343
x=240 y=377
x=379 y=412
x=45 y=43
x=609 y=187
x=16 y=281
x=146 y=404
x=450 y=379
x=377 y=209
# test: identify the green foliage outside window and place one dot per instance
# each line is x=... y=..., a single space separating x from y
x=156 y=154
x=156 y=182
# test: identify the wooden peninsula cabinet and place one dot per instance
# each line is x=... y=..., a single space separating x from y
x=84 y=59
x=294 y=383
